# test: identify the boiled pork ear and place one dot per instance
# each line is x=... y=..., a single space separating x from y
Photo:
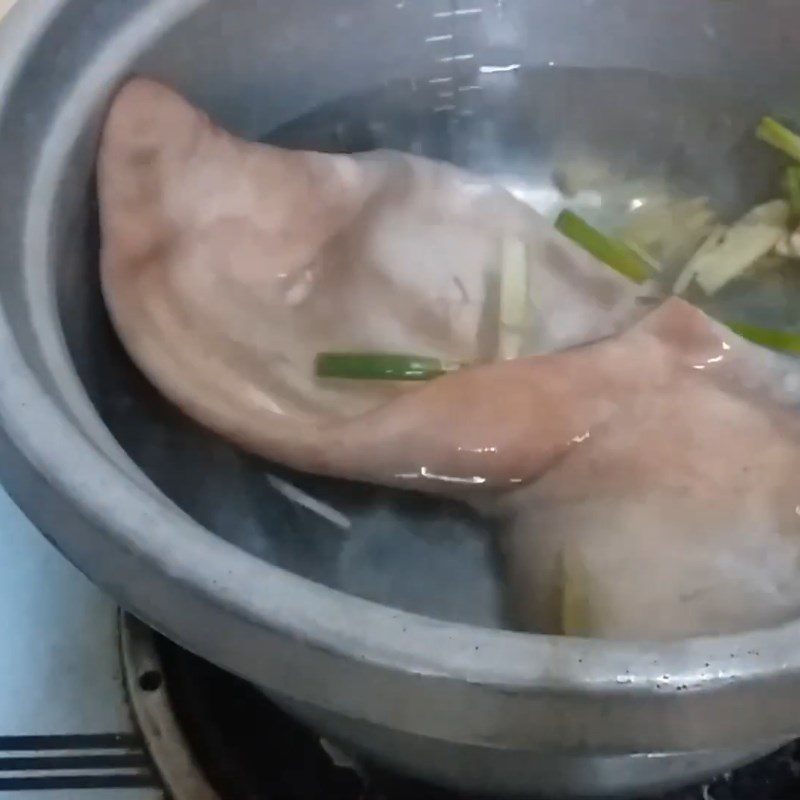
x=227 y=266
x=678 y=513
x=649 y=478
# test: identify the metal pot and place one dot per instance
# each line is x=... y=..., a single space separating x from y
x=161 y=515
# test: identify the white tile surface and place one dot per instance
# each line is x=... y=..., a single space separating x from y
x=59 y=664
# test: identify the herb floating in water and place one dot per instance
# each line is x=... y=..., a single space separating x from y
x=514 y=299
x=772 y=132
x=731 y=251
x=775 y=338
x=381 y=367
x=613 y=252
x=791 y=182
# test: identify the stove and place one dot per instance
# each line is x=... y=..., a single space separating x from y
x=75 y=673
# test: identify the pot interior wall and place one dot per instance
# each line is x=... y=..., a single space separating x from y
x=512 y=88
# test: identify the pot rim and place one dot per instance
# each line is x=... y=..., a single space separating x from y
x=345 y=626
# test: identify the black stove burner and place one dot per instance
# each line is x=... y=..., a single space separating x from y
x=250 y=750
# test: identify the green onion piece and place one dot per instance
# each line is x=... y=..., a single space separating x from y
x=514 y=297
x=786 y=341
x=791 y=182
x=771 y=131
x=610 y=251
x=381 y=367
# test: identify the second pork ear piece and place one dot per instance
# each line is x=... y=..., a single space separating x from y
x=227 y=266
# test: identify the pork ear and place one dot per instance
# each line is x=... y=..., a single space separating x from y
x=195 y=220
x=130 y=172
x=204 y=233
x=680 y=324
x=166 y=172
x=146 y=119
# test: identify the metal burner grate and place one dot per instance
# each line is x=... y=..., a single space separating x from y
x=249 y=750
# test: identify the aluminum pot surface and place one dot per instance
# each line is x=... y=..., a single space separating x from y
x=191 y=536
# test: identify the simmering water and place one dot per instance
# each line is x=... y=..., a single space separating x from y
x=420 y=554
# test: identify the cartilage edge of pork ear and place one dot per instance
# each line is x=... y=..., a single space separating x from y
x=228 y=266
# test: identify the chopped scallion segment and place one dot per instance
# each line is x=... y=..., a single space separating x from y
x=792 y=185
x=514 y=297
x=775 y=338
x=709 y=245
x=772 y=132
x=381 y=367
x=728 y=253
x=616 y=254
